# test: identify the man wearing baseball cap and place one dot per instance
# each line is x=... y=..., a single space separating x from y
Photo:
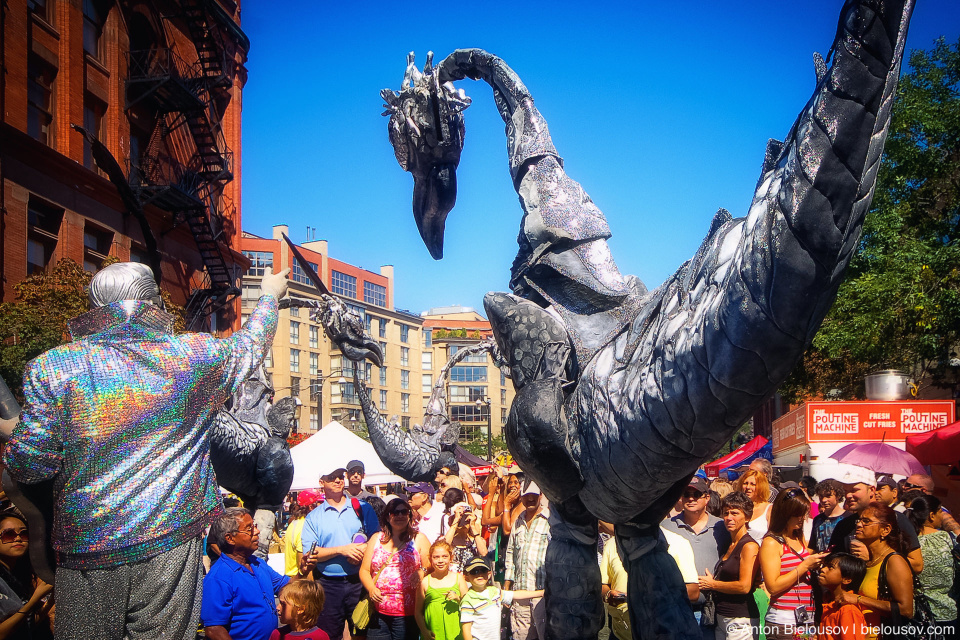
x=420 y=496
x=525 y=557
x=356 y=472
x=860 y=488
x=705 y=533
x=334 y=526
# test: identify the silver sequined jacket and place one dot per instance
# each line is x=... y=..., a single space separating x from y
x=121 y=417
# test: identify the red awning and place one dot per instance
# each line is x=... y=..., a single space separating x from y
x=940 y=446
x=735 y=456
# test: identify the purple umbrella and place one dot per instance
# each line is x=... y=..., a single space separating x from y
x=880 y=458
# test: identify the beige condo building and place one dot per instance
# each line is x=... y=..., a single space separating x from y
x=304 y=363
x=478 y=393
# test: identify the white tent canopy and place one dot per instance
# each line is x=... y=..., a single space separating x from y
x=331 y=447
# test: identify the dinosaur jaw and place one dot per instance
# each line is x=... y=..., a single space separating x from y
x=368 y=349
x=433 y=197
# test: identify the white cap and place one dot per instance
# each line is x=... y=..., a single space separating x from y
x=531 y=488
x=853 y=474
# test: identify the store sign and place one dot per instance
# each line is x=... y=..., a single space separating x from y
x=859 y=422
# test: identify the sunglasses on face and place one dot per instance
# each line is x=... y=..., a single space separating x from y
x=692 y=496
x=11 y=535
x=400 y=513
x=333 y=478
x=907 y=485
x=478 y=572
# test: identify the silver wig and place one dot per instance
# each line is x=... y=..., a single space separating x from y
x=123 y=281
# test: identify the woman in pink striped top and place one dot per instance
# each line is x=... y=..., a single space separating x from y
x=785 y=563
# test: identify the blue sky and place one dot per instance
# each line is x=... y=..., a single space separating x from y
x=660 y=110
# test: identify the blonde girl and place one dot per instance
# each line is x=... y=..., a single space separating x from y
x=438 y=599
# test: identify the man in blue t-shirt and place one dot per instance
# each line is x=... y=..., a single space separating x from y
x=339 y=526
x=238 y=593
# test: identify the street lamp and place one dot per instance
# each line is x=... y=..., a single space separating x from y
x=316 y=390
x=481 y=403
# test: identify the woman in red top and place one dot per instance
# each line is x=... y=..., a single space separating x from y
x=785 y=563
x=392 y=568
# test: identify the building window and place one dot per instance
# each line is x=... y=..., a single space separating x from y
x=43 y=231
x=314 y=419
x=299 y=275
x=294 y=312
x=468 y=413
x=42 y=9
x=314 y=337
x=426 y=360
x=344 y=285
x=295 y=387
x=368 y=323
x=250 y=292
x=383 y=399
x=96 y=247
x=404 y=379
x=503 y=415
x=404 y=356
x=383 y=376
x=260 y=261
x=426 y=383
x=503 y=396
x=374 y=294
x=138 y=254
x=503 y=379
x=93 y=111
x=477 y=357
x=268 y=359
x=468 y=374
x=405 y=402
x=294 y=332
x=294 y=360
x=314 y=364
x=467 y=394
x=92 y=28
x=405 y=422
x=383 y=350
x=404 y=333
x=349 y=395
x=383 y=327
x=428 y=337
x=40 y=100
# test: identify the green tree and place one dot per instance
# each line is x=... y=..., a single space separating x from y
x=899 y=307
x=37 y=319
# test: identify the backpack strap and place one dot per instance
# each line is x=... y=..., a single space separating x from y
x=356 y=509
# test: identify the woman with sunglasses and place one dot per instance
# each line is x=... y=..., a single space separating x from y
x=392 y=568
x=785 y=563
x=24 y=612
x=888 y=584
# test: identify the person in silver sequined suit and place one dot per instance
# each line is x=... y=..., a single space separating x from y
x=119 y=419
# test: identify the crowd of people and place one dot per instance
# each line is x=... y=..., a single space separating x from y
x=848 y=558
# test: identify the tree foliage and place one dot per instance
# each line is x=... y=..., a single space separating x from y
x=899 y=307
x=37 y=319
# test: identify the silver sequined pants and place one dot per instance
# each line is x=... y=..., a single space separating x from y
x=149 y=600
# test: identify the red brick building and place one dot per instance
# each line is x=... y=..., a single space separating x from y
x=158 y=82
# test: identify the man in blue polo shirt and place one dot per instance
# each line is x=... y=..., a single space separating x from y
x=238 y=593
x=334 y=526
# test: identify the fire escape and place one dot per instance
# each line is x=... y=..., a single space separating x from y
x=187 y=163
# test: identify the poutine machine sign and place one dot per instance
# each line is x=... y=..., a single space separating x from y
x=859 y=422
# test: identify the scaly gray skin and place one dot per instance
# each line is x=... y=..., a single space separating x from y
x=418 y=453
x=622 y=393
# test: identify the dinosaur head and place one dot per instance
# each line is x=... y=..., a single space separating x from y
x=426 y=131
x=346 y=330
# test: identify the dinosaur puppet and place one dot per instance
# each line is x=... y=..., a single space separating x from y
x=623 y=392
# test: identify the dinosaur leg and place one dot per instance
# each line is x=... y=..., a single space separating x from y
x=265 y=521
x=572 y=600
x=657 y=598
